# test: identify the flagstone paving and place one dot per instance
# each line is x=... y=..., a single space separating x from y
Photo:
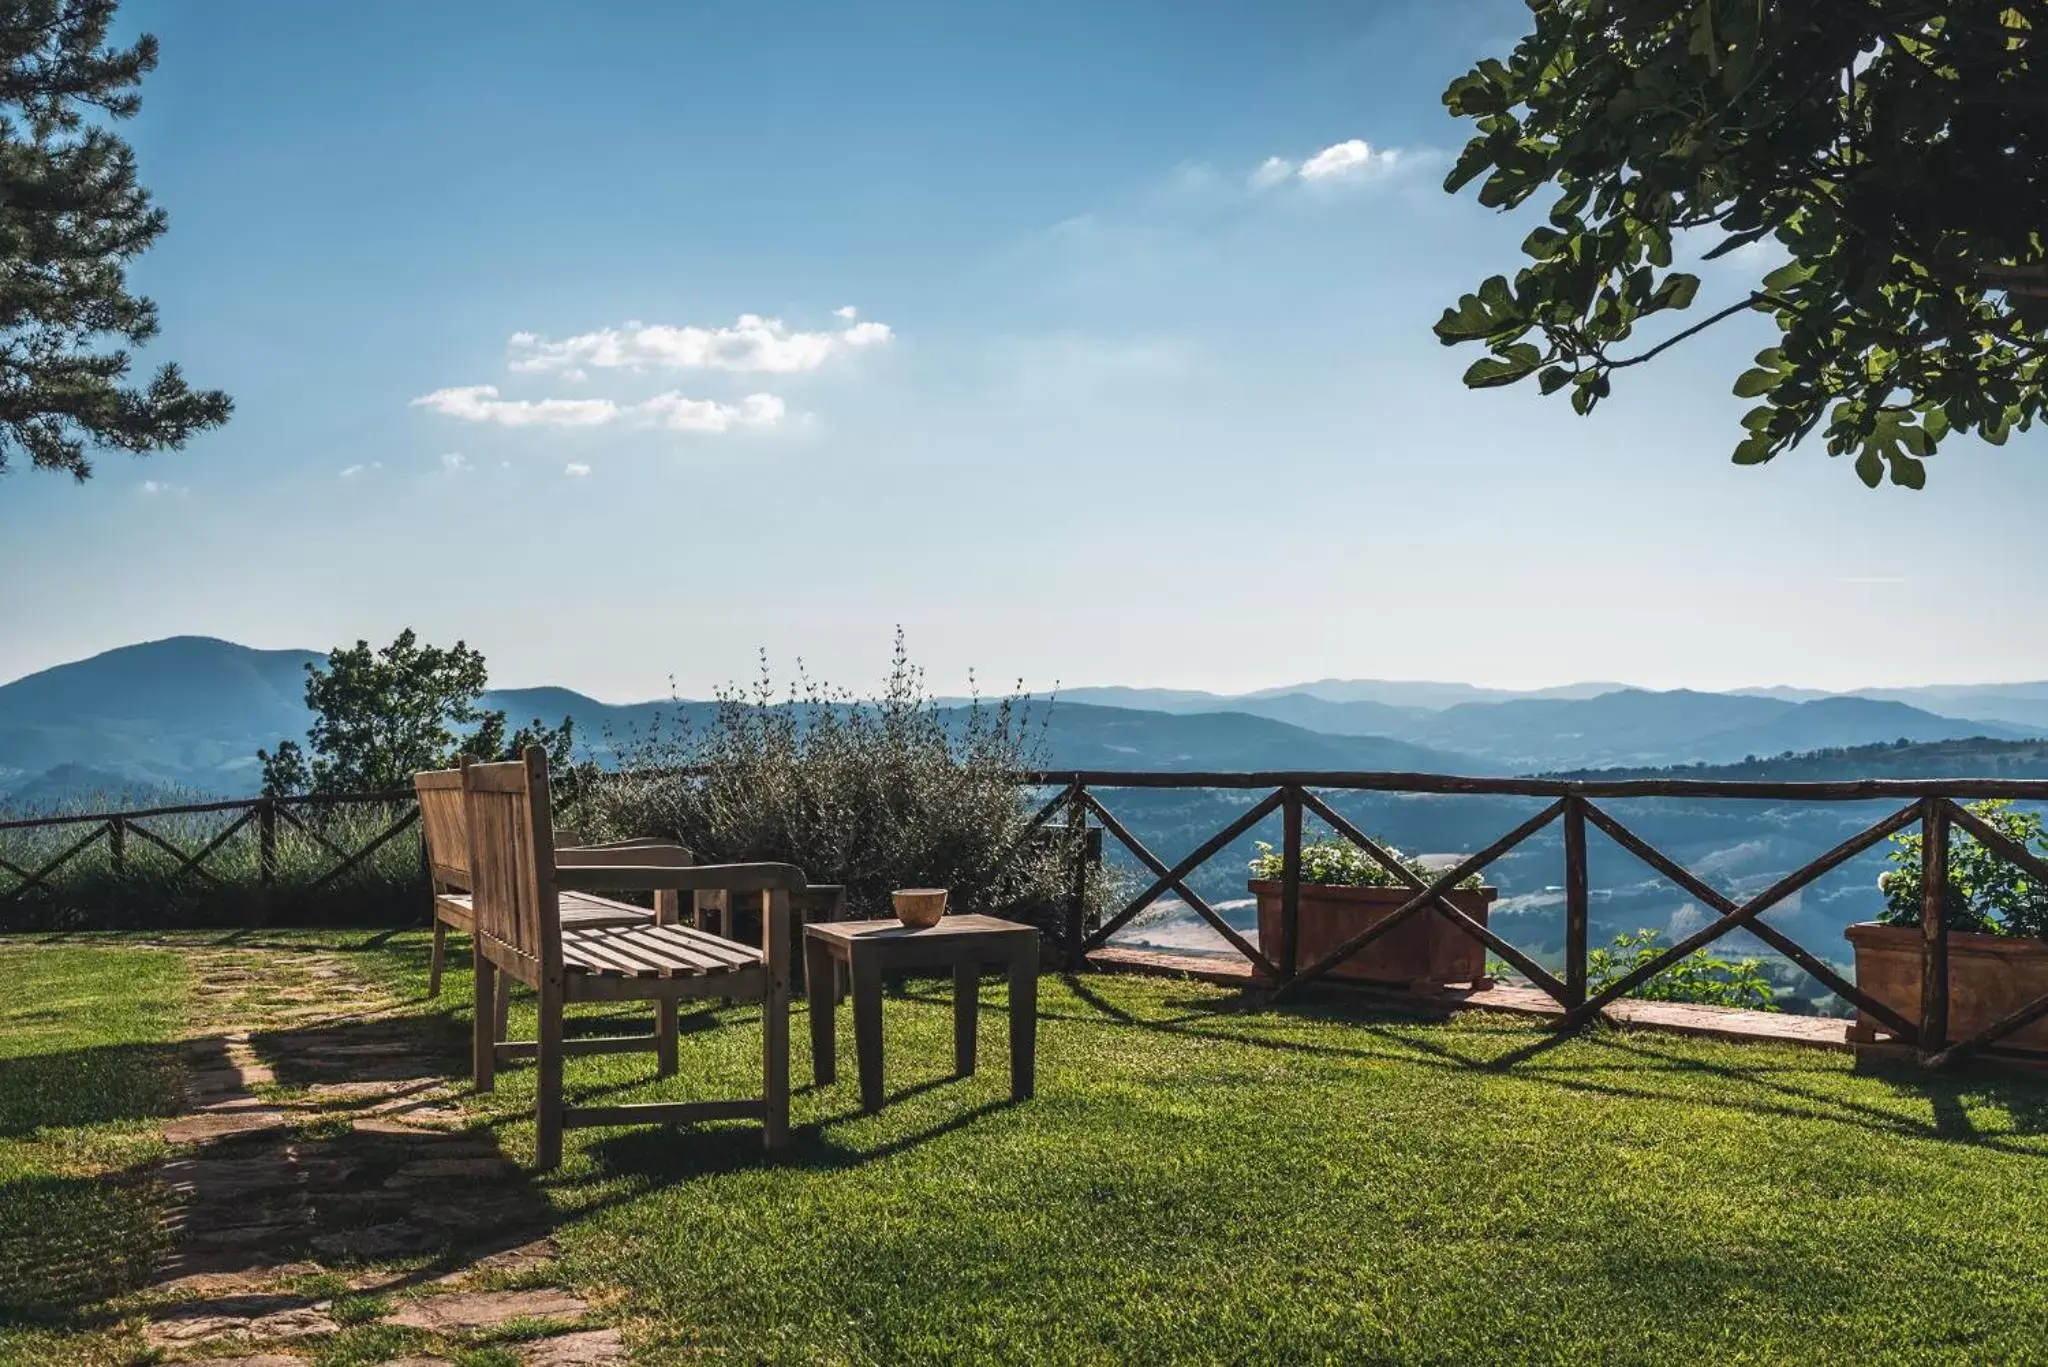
x=326 y=1189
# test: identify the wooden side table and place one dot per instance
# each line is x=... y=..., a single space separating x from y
x=871 y=948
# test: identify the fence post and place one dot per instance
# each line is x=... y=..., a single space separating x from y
x=1575 y=900
x=117 y=846
x=1290 y=882
x=1077 y=893
x=1933 y=927
x=266 y=841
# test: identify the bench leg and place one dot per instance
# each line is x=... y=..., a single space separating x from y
x=434 y=961
x=821 y=986
x=665 y=1031
x=501 y=1010
x=547 y=1140
x=775 y=1020
x=483 y=1051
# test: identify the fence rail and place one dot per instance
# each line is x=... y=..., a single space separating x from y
x=1931 y=805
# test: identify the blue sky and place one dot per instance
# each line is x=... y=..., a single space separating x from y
x=1138 y=385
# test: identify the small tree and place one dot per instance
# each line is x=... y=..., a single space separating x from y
x=71 y=219
x=1895 y=150
x=381 y=716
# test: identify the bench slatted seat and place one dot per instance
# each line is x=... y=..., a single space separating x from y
x=518 y=889
x=653 y=951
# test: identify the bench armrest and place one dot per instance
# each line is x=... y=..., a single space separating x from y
x=640 y=854
x=636 y=877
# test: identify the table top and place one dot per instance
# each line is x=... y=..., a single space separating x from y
x=964 y=926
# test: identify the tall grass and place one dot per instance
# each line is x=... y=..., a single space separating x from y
x=145 y=889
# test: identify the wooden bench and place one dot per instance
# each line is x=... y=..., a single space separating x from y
x=447 y=835
x=444 y=820
x=518 y=887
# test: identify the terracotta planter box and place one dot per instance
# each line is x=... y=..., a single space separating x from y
x=1427 y=951
x=1989 y=976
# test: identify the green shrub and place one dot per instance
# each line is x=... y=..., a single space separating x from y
x=873 y=793
x=1698 y=977
x=1986 y=892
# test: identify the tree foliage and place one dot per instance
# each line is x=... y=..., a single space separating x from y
x=71 y=219
x=1892 y=149
x=380 y=716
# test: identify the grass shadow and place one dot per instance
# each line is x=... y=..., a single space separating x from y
x=94 y=1085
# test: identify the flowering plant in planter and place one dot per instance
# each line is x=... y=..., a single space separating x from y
x=1338 y=863
x=1986 y=893
x=1997 y=917
x=1345 y=891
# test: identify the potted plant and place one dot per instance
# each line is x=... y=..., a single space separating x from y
x=1998 y=932
x=1344 y=890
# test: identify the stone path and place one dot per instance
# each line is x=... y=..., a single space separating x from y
x=331 y=1203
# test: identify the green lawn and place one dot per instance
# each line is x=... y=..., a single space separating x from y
x=86 y=1071
x=1200 y=1183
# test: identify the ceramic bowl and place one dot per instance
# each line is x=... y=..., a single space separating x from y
x=920 y=908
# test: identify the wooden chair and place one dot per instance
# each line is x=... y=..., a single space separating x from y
x=447 y=830
x=446 y=827
x=518 y=888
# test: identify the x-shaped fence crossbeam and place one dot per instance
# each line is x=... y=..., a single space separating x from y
x=1739 y=916
x=1432 y=896
x=1730 y=909
x=1176 y=876
x=1428 y=897
x=39 y=878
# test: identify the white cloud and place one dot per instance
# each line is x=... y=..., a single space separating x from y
x=753 y=343
x=1348 y=160
x=156 y=488
x=679 y=414
x=849 y=313
x=1272 y=171
x=480 y=403
x=576 y=469
x=866 y=334
x=673 y=410
x=354 y=470
x=455 y=462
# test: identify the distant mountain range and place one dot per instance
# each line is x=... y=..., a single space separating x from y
x=190 y=712
x=1621 y=726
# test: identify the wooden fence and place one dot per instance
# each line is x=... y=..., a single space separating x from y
x=1932 y=805
x=118 y=832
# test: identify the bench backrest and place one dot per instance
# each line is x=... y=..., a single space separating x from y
x=512 y=865
x=445 y=826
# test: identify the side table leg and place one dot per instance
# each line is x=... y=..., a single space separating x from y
x=867 y=1027
x=821 y=983
x=1023 y=1022
x=966 y=1014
